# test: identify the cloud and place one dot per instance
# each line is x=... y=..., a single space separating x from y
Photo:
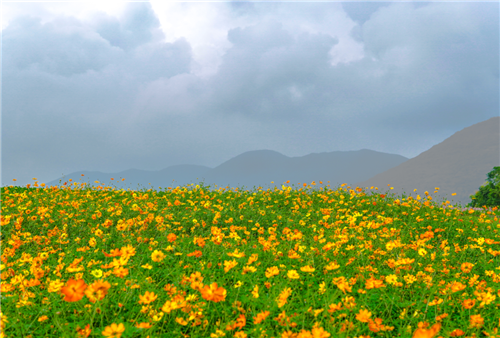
x=138 y=25
x=149 y=85
x=60 y=47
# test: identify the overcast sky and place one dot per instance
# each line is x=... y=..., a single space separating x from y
x=111 y=86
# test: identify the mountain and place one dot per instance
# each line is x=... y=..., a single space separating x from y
x=136 y=179
x=252 y=168
x=261 y=167
x=459 y=164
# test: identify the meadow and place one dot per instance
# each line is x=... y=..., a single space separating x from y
x=289 y=263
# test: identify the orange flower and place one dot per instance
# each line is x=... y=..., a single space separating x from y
x=114 y=330
x=83 y=333
x=240 y=323
x=196 y=253
x=213 y=293
x=319 y=332
x=97 y=291
x=171 y=237
x=74 y=290
x=422 y=332
x=260 y=317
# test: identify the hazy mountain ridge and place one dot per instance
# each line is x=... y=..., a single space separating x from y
x=252 y=168
x=458 y=165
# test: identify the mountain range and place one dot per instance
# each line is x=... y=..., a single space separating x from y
x=459 y=164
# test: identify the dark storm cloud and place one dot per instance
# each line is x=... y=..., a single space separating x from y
x=264 y=62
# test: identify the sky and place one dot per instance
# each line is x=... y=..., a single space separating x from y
x=111 y=86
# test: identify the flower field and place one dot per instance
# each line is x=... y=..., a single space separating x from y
x=288 y=263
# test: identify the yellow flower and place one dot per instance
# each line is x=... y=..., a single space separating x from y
x=292 y=274
x=307 y=268
x=255 y=292
x=96 y=273
x=273 y=271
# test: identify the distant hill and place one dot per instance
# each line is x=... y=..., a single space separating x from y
x=252 y=168
x=459 y=164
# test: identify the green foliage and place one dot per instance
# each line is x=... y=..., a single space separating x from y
x=489 y=193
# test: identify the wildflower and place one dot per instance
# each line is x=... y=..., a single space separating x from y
x=196 y=278
x=319 y=332
x=255 y=292
x=96 y=273
x=74 y=290
x=196 y=253
x=248 y=269
x=273 y=271
x=252 y=258
x=97 y=291
x=217 y=334
x=421 y=332
x=307 y=268
x=148 y=297
x=240 y=323
x=83 y=333
x=169 y=306
x=213 y=293
x=236 y=254
x=363 y=316
x=228 y=265
x=157 y=256
x=292 y=274
x=282 y=299
x=114 y=330
x=322 y=288
x=260 y=317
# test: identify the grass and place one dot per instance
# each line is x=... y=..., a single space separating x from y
x=80 y=262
